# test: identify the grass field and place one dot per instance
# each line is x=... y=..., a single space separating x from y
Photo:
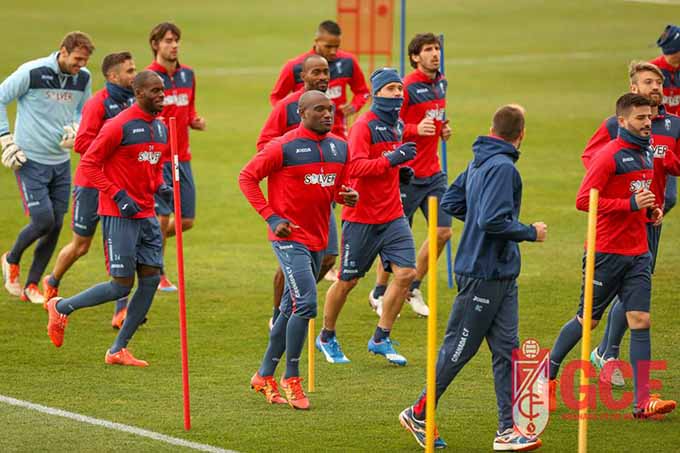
x=564 y=61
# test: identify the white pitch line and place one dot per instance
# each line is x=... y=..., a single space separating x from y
x=111 y=425
x=237 y=71
x=657 y=2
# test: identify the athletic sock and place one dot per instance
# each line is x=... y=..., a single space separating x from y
x=380 y=334
x=640 y=351
x=44 y=250
x=326 y=335
x=53 y=281
x=415 y=284
x=602 y=347
x=121 y=304
x=619 y=325
x=296 y=333
x=379 y=291
x=275 y=348
x=98 y=294
x=569 y=336
x=137 y=310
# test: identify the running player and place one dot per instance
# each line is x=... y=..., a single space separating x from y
x=377 y=225
x=487 y=198
x=305 y=171
x=622 y=171
x=124 y=164
x=119 y=71
x=180 y=96
x=50 y=94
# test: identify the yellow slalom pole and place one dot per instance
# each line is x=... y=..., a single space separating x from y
x=311 y=335
x=587 y=317
x=431 y=324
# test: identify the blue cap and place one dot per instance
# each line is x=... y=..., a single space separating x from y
x=669 y=41
x=382 y=77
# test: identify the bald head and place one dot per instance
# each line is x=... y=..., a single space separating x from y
x=315 y=73
x=316 y=111
x=148 y=87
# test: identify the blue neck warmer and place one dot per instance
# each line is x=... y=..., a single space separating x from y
x=626 y=135
x=119 y=94
x=387 y=109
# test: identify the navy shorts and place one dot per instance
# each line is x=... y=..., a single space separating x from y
x=300 y=269
x=187 y=191
x=415 y=195
x=628 y=277
x=130 y=242
x=84 y=218
x=362 y=243
x=332 y=246
x=44 y=187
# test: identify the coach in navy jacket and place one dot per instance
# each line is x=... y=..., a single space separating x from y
x=487 y=197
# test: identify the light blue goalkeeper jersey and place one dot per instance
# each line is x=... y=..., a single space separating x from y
x=47 y=100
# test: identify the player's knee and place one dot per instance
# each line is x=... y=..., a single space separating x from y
x=443 y=234
x=43 y=220
x=150 y=281
x=82 y=246
x=593 y=322
x=638 y=320
x=121 y=287
x=345 y=286
x=187 y=224
x=405 y=275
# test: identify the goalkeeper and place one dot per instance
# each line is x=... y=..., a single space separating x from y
x=50 y=94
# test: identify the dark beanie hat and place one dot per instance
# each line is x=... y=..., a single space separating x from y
x=669 y=41
x=382 y=77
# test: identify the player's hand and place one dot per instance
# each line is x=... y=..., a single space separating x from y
x=348 y=109
x=165 y=193
x=657 y=216
x=406 y=174
x=126 y=205
x=350 y=197
x=446 y=131
x=281 y=227
x=644 y=199
x=427 y=127
x=69 y=137
x=541 y=231
x=198 y=123
x=12 y=156
x=403 y=153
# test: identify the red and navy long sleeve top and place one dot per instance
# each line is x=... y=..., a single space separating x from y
x=370 y=172
x=671 y=85
x=180 y=102
x=283 y=118
x=126 y=155
x=424 y=98
x=305 y=171
x=618 y=171
x=98 y=109
x=665 y=143
x=344 y=71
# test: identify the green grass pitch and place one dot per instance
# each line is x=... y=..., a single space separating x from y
x=564 y=61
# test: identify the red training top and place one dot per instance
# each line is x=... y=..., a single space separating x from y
x=424 y=98
x=618 y=171
x=671 y=85
x=665 y=143
x=305 y=172
x=283 y=118
x=180 y=97
x=98 y=109
x=344 y=70
x=370 y=172
x=126 y=155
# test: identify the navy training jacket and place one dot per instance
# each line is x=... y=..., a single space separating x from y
x=487 y=198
